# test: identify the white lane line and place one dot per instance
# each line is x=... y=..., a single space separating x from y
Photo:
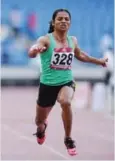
x=18 y=134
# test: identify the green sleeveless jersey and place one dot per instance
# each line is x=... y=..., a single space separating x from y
x=55 y=70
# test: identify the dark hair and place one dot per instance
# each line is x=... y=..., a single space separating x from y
x=51 y=27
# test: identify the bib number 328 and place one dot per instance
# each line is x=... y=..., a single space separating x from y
x=62 y=60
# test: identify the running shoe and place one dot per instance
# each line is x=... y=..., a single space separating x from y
x=41 y=135
x=70 y=145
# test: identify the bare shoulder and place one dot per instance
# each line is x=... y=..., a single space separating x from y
x=74 y=39
x=44 y=40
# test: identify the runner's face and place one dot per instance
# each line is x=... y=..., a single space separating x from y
x=62 y=21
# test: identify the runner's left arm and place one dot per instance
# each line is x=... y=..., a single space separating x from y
x=82 y=56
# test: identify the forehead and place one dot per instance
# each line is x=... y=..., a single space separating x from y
x=62 y=14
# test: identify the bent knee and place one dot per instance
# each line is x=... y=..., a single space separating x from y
x=65 y=103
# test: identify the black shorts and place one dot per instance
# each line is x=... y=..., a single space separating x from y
x=48 y=94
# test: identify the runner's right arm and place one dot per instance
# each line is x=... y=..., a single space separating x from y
x=41 y=45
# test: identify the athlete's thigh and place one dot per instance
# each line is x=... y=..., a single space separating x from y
x=66 y=93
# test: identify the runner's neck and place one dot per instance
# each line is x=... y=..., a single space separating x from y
x=60 y=36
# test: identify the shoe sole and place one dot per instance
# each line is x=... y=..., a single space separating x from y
x=41 y=141
x=72 y=152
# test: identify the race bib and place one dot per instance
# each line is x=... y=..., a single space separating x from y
x=62 y=58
